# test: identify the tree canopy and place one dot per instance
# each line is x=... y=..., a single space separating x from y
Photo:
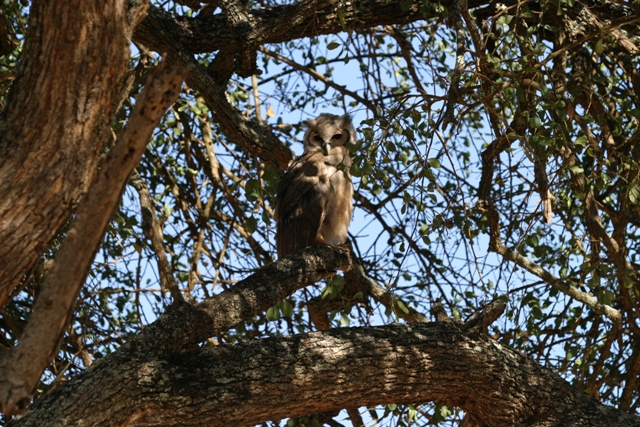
x=491 y=275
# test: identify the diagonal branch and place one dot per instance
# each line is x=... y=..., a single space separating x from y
x=185 y=325
x=561 y=285
x=496 y=245
x=21 y=368
x=158 y=34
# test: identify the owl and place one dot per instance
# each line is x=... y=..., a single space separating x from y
x=314 y=198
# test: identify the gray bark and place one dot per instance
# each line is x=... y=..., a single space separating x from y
x=59 y=114
x=241 y=385
x=163 y=377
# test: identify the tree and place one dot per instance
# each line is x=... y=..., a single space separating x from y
x=493 y=260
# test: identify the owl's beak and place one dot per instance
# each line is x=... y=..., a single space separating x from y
x=326 y=148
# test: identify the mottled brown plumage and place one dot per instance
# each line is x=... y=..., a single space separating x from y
x=314 y=198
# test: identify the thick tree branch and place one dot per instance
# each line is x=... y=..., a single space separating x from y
x=248 y=37
x=21 y=368
x=242 y=28
x=58 y=112
x=274 y=378
x=211 y=33
x=185 y=325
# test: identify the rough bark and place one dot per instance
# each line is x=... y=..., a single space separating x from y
x=59 y=114
x=56 y=123
x=185 y=325
x=162 y=377
x=21 y=368
x=209 y=33
x=271 y=379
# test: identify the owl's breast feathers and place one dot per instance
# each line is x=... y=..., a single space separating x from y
x=314 y=201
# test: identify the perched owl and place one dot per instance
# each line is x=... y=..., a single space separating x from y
x=314 y=198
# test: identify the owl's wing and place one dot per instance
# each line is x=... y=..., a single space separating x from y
x=300 y=202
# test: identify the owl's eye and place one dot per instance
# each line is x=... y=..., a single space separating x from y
x=336 y=136
x=318 y=138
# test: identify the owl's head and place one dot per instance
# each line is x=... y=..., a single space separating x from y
x=328 y=131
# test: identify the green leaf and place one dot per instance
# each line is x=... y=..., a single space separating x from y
x=576 y=169
x=634 y=195
x=412 y=415
x=435 y=163
x=504 y=20
x=250 y=224
x=599 y=46
x=273 y=313
x=327 y=292
x=581 y=141
x=344 y=320
x=535 y=122
x=252 y=188
x=367 y=133
x=404 y=158
x=337 y=282
x=607 y=297
x=440 y=414
x=355 y=170
x=333 y=45
x=402 y=307
x=286 y=308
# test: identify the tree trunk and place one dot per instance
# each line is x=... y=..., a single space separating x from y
x=56 y=123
